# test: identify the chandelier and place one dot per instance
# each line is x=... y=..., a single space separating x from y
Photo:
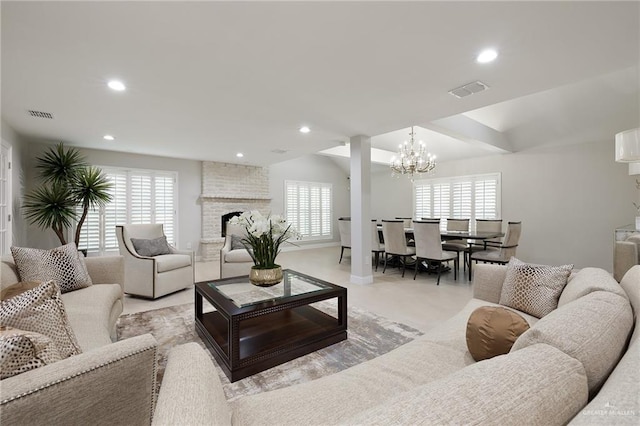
x=412 y=159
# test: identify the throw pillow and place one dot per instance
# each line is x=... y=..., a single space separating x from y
x=22 y=351
x=18 y=288
x=236 y=242
x=41 y=310
x=151 y=247
x=492 y=330
x=534 y=289
x=61 y=264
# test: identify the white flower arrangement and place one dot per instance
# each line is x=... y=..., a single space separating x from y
x=264 y=236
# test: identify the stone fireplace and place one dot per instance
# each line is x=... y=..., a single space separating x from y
x=226 y=190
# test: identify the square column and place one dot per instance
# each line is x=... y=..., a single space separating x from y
x=361 y=272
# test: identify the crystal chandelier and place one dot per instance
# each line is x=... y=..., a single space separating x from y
x=412 y=159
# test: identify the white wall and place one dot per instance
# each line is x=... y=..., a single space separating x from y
x=569 y=199
x=189 y=188
x=391 y=197
x=18 y=154
x=311 y=168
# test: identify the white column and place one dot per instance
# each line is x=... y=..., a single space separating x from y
x=361 y=272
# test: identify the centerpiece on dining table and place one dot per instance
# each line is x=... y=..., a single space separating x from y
x=263 y=238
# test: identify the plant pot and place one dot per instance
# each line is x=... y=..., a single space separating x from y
x=265 y=277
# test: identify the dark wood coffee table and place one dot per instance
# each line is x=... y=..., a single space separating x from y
x=251 y=329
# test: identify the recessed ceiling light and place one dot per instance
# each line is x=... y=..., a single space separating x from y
x=486 y=56
x=116 y=85
x=239 y=155
x=108 y=137
x=304 y=129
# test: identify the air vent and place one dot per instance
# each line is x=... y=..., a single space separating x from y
x=40 y=114
x=278 y=151
x=468 y=89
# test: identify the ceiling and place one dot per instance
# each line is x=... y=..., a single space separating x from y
x=206 y=80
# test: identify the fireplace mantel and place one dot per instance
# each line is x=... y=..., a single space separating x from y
x=239 y=198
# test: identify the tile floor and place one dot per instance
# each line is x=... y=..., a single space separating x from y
x=420 y=303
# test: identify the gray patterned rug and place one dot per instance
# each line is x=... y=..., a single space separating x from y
x=368 y=337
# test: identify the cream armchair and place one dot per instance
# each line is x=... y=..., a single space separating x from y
x=235 y=260
x=156 y=276
x=626 y=254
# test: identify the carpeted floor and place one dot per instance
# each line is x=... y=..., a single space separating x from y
x=368 y=337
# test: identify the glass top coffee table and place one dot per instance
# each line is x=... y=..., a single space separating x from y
x=251 y=329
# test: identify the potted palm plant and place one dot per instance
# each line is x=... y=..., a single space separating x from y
x=69 y=186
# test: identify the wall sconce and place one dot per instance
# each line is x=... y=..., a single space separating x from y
x=628 y=146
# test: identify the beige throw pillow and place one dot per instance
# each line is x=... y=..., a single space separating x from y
x=533 y=289
x=41 y=310
x=22 y=351
x=62 y=264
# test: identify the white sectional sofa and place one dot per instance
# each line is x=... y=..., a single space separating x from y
x=564 y=369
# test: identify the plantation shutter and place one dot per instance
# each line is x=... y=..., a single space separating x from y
x=308 y=208
x=138 y=197
x=473 y=197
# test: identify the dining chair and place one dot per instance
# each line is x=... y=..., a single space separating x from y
x=484 y=225
x=457 y=245
x=395 y=243
x=504 y=252
x=377 y=246
x=430 y=219
x=429 y=247
x=406 y=221
x=344 y=227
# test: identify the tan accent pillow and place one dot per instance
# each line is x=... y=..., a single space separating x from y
x=533 y=289
x=62 y=264
x=18 y=288
x=41 y=310
x=492 y=330
x=22 y=351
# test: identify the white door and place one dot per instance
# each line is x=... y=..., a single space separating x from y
x=5 y=198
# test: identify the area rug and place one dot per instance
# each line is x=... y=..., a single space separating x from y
x=369 y=336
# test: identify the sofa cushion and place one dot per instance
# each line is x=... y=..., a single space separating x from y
x=151 y=247
x=237 y=256
x=41 y=310
x=492 y=330
x=588 y=280
x=330 y=399
x=22 y=351
x=593 y=329
x=61 y=264
x=504 y=390
x=533 y=289
x=90 y=311
x=169 y=262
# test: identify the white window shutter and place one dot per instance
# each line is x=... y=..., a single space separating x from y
x=308 y=207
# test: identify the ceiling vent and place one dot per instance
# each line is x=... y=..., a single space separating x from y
x=40 y=114
x=468 y=89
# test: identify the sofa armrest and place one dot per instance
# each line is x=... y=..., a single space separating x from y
x=487 y=282
x=191 y=391
x=106 y=269
x=114 y=384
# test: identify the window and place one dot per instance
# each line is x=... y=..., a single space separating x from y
x=138 y=196
x=308 y=207
x=474 y=197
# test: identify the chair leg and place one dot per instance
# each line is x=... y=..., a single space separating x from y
x=415 y=274
x=385 y=262
x=341 y=253
x=439 y=272
x=456 y=265
x=377 y=259
x=404 y=264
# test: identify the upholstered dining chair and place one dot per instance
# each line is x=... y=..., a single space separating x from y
x=485 y=225
x=377 y=246
x=344 y=227
x=395 y=243
x=429 y=247
x=152 y=267
x=406 y=221
x=457 y=245
x=503 y=252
